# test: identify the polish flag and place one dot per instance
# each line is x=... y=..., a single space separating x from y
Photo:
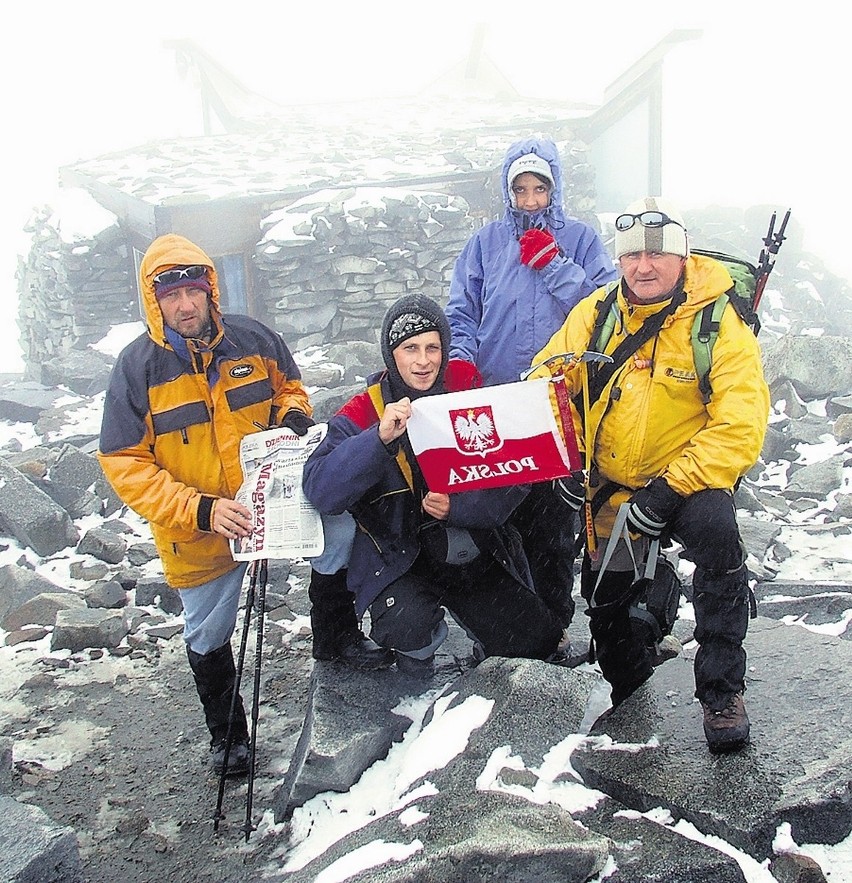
x=488 y=437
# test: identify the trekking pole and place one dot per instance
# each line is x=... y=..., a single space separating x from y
x=766 y=261
x=229 y=736
x=248 y=827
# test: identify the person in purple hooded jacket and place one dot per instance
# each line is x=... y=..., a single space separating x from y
x=513 y=284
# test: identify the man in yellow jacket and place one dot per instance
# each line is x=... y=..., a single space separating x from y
x=179 y=401
x=674 y=458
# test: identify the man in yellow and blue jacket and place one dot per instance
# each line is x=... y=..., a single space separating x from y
x=656 y=443
x=180 y=399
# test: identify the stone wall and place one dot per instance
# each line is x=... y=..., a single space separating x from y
x=326 y=278
x=331 y=276
x=70 y=293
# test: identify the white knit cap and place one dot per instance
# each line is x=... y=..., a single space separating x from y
x=529 y=162
x=670 y=239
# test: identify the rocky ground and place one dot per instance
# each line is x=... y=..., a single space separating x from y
x=123 y=757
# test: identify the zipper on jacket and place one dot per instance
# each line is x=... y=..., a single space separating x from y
x=402 y=490
x=372 y=538
x=184 y=436
x=378 y=548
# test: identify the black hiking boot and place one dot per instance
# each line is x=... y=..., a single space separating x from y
x=362 y=653
x=336 y=635
x=238 y=757
x=215 y=677
x=419 y=669
x=728 y=729
x=566 y=654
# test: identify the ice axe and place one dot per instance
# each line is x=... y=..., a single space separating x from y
x=556 y=364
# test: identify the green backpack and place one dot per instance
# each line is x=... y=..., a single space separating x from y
x=705 y=328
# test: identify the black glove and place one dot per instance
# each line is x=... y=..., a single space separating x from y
x=652 y=507
x=571 y=490
x=297 y=420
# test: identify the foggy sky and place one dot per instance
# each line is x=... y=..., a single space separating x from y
x=750 y=110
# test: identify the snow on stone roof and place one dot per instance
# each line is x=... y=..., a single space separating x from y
x=293 y=222
x=319 y=146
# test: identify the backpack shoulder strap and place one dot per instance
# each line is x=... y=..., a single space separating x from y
x=705 y=331
x=606 y=319
x=375 y=393
x=600 y=373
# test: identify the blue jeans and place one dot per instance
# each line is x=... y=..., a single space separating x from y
x=339 y=531
x=210 y=611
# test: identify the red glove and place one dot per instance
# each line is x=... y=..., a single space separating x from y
x=538 y=248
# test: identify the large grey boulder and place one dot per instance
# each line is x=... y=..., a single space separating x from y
x=19 y=585
x=84 y=627
x=29 y=514
x=502 y=736
x=523 y=794
x=41 y=610
x=786 y=774
x=24 y=401
x=34 y=849
x=816 y=366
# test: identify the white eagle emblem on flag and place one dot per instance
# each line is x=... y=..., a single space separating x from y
x=475 y=431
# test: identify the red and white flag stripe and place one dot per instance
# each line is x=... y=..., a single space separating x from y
x=488 y=437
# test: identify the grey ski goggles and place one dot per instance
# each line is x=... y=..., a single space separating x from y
x=646 y=219
x=167 y=277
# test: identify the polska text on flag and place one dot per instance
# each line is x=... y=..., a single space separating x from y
x=488 y=437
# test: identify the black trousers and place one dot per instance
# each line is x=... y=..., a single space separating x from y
x=706 y=527
x=547 y=528
x=504 y=616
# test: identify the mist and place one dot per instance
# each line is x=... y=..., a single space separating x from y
x=750 y=106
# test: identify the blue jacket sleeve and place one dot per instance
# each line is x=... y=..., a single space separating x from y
x=570 y=278
x=346 y=464
x=464 y=308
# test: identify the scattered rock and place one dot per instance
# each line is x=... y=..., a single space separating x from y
x=108 y=594
x=33 y=848
x=103 y=544
x=29 y=514
x=42 y=610
x=78 y=629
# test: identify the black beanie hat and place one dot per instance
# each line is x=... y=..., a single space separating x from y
x=409 y=316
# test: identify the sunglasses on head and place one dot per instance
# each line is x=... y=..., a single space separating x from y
x=167 y=277
x=646 y=219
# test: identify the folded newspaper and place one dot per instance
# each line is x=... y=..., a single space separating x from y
x=284 y=523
